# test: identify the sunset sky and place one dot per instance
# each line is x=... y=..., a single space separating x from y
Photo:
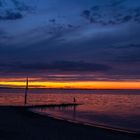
x=86 y=44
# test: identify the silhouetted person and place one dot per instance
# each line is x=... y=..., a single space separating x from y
x=74 y=100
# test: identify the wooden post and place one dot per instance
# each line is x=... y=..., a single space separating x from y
x=26 y=92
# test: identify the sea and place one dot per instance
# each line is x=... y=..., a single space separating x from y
x=111 y=108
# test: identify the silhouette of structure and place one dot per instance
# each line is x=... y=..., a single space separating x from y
x=74 y=100
x=26 y=91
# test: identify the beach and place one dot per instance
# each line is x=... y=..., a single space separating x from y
x=18 y=123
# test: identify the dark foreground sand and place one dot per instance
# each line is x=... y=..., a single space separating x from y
x=20 y=124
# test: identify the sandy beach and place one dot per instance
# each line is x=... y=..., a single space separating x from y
x=17 y=123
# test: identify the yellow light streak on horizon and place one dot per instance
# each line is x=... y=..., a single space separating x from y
x=77 y=84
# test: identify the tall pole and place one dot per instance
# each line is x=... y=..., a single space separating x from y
x=26 y=91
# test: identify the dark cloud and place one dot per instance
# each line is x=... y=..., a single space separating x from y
x=61 y=38
x=52 y=20
x=16 y=11
x=117 y=2
x=56 y=66
x=95 y=8
x=137 y=15
x=0 y=3
x=113 y=14
x=86 y=14
x=21 y=6
x=132 y=46
x=77 y=66
x=9 y=15
x=128 y=56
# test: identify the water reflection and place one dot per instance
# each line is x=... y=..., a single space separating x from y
x=58 y=111
x=119 y=109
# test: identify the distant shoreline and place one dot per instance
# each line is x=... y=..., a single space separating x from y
x=66 y=89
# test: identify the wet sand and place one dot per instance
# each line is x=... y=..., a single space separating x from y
x=17 y=123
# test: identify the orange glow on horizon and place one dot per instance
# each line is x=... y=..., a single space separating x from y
x=76 y=84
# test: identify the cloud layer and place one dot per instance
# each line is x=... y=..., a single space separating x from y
x=42 y=37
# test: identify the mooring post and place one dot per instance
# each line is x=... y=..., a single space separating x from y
x=26 y=92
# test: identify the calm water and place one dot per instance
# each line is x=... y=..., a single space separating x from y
x=119 y=109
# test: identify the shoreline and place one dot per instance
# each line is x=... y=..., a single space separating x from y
x=19 y=123
x=100 y=126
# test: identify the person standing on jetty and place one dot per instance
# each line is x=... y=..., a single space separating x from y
x=74 y=100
